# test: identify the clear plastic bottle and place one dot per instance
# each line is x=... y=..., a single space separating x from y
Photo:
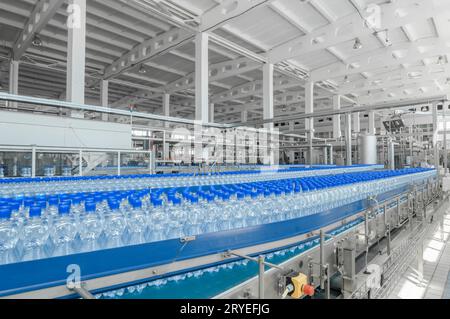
x=114 y=227
x=63 y=232
x=34 y=235
x=9 y=235
x=136 y=223
x=90 y=228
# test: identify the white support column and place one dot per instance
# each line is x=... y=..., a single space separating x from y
x=211 y=112
x=166 y=107
x=13 y=81
x=356 y=122
x=104 y=98
x=309 y=123
x=435 y=135
x=201 y=78
x=348 y=139
x=291 y=152
x=76 y=52
x=244 y=116
x=372 y=123
x=166 y=112
x=268 y=95
x=336 y=118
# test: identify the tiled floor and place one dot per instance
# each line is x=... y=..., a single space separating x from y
x=436 y=265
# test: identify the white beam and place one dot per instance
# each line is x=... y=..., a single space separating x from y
x=372 y=123
x=13 y=80
x=201 y=78
x=393 y=15
x=309 y=104
x=337 y=118
x=348 y=139
x=76 y=51
x=217 y=72
x=211 y=112
x=268 y=109
x=226 y=10
x=397 y=78
x=244 y=116
x=309 y=122
x=43 y=11
x=104 y=97
x=166 y=106
x=356 y=122
x=254 y=88
x=147 y=50
x=417 y=91
x=410 y=52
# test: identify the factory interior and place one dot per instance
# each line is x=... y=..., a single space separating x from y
x=224 y=149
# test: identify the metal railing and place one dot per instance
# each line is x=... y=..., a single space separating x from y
x=80 y=155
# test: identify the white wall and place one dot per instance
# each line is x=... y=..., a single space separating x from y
x=32 y=129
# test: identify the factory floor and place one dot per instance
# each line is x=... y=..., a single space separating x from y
x=435 y=283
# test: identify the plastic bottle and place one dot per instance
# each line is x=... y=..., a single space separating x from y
x=8 y=237
x=34 y=235
x=63 y=232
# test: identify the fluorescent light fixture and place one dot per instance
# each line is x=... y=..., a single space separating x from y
x=37 y=42
x=142 y=70
x=357 y=45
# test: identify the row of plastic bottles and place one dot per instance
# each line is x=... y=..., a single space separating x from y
x=45 y=226
x=10 y=187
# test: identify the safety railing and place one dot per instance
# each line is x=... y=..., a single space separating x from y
x=50 y=161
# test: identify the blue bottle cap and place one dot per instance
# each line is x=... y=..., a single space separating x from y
x=114 y=205
x=136 y=204
x=35 y=211
x=5 y=213
x=63 y=209
x=53 y=201
x=42 y=204
x=90 y=207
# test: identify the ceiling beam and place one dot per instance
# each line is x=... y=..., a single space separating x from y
x=226 y=10
x=416 y=91
x=394 y=15
x=253 y=88
x=407 y=52
x=397 y=78
x=147 y=50
x=43 y=11
x=218 y=71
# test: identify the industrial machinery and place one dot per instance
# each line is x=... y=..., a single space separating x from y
x=307 y=252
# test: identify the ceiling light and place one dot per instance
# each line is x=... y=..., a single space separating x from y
x=142 y=70
x=37 y=42
x=357 y=45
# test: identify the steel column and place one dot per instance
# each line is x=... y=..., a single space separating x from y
x=268 y=110
x=348 y=139
x=201 y=78
x=13 y=81
x=104 y=98
x=76 y=51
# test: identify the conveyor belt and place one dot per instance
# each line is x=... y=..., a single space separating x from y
x=51 y=272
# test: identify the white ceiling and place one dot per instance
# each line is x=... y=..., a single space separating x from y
x=404 y=68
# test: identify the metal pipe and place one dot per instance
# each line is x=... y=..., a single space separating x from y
x=102 y=109
x=261 y=276
x=83 y=293
x=33 y=161
x=322 y=259
x=355 y=109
